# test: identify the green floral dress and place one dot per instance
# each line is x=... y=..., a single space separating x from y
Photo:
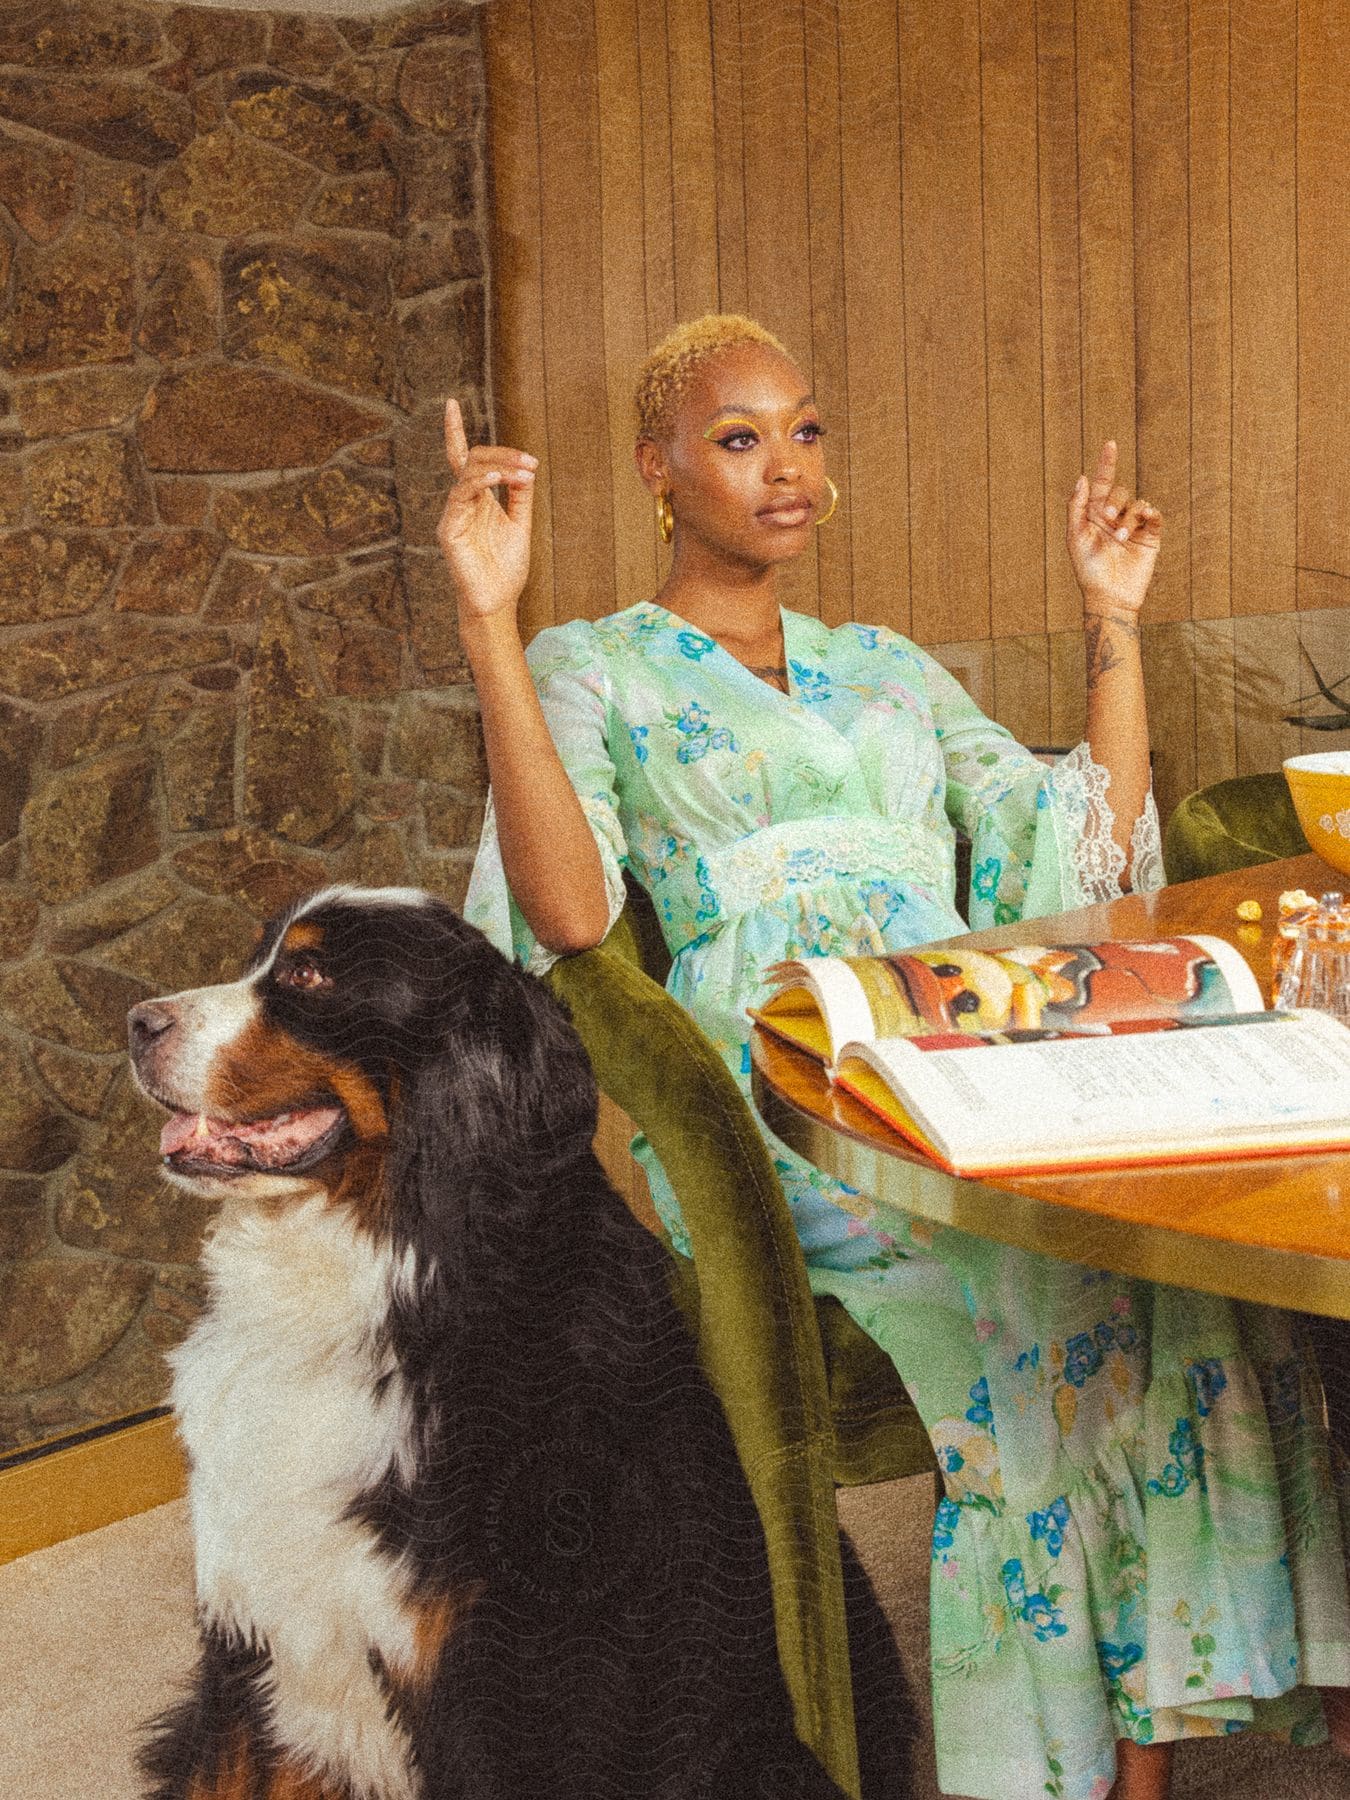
x=1140 y=1536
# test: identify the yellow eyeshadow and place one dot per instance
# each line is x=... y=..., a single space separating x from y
x=727 y=425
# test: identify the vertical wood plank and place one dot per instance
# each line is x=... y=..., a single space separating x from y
x=1022 y=686
x=1169 y=682
x=517 y=287
x=873 y=466
x=729 y=113
x=693 y=156
x=573 y=308
x=1017 y=475
x=1106 y=227
x=773 y=46
x=624 y=289
x=1323 y=587
x=1211 y=353
x=1265 y=307
x=653 y=147
x=829 y=337
x=1268 y=679
x=773 y=49
x=944 y=319
x=1060 y=262
x=1325 y=637
x=1215 y=701
x=1162 y=323
x=1323 y=285
x=1068 y=688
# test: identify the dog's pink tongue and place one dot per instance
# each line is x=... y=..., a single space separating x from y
x=269 y=1142
x=176 y=1133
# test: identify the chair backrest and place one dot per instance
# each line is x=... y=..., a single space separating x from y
x=1232 y=824
x=758 y=1337
x=636 y=934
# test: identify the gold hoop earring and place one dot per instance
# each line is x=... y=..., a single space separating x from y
x=665 y=518
x=825 y=517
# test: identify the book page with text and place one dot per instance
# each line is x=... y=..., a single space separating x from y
x=1260 y=1077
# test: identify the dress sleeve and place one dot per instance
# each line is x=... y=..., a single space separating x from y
x=572 y=684
x=1041 y=838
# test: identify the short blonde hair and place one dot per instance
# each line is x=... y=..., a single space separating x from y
x=670 y=367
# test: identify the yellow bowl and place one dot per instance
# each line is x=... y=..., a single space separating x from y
x=1320 y=788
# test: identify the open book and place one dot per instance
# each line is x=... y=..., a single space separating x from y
x=1053 y=1056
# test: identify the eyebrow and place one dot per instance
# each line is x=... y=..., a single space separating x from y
x=750 y=412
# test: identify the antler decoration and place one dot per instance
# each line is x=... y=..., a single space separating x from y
x=1336 y=721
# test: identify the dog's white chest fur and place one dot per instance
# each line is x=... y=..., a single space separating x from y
x=280 y=1405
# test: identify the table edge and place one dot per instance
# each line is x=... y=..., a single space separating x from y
x=1299 y=1280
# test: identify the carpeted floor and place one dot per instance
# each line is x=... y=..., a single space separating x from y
x=95 y=1632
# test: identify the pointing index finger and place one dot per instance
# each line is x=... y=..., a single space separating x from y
x=456 y=444
x=1104 y=476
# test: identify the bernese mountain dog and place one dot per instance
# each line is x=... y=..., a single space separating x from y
x=468 y=1520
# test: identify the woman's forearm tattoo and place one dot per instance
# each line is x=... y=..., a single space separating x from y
x=1106 y=639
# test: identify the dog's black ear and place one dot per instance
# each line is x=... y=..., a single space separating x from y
x=486 y=1127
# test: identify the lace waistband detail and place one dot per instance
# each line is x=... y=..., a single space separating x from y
x=764 y=865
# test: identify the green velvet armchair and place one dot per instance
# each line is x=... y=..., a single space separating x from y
x=810 y=1400
x=1232 y=825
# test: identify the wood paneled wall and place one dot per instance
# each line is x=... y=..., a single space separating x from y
x=993 y=232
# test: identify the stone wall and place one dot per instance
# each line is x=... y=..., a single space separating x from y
x=242 y=263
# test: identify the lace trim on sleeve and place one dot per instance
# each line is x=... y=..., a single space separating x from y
x=1087 y=820
x=1147 y=873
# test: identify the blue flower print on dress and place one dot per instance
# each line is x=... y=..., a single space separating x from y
x=945 y=1522
x=812 y=684
x=1029 y=1359
x=1049 y=1526
x=981 y=1413
x=1207 y=1381
x=869 y=636
x=1188 y=1464
x=638 y=733
x=633 y=628
x=1038 y=1610
x=700 y=735
x=1118 y=1659
x=950 y=1459
x=708 y=904
x=986 y=877
x=1082 y=1358
x=694 y=645
x=882 y=901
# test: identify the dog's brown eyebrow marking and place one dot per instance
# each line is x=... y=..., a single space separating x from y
x=303 y=936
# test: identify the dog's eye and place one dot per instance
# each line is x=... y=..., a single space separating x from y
x=302 y=974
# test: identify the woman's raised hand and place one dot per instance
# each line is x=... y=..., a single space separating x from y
x=1113 y=540
x=486 y=545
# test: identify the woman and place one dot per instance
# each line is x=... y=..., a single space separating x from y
x=782 y=789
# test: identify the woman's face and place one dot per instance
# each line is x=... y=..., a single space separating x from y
x=743 y=463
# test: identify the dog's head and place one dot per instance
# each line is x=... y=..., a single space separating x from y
x=374 y=1038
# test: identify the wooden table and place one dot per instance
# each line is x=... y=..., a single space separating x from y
x=1274 y=1229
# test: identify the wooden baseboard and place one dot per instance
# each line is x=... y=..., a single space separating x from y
x=60 y=1489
